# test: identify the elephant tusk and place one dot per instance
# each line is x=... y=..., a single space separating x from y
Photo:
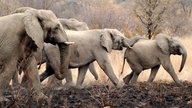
x=69 y=43
x=130 y=47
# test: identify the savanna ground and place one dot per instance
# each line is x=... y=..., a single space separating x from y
x=163 y=92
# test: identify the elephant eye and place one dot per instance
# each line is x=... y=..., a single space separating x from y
x=40 y=20
x=121 y=41
x=56 y=27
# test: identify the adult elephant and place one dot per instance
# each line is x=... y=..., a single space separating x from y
x=68 y=24
x=147 y=54
x=20 y=36
x=48 y=56
x=91 y=45
x=74 y=24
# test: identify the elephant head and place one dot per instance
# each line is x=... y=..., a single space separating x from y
x=113 y=39
x=43 y=26
x=171 y=45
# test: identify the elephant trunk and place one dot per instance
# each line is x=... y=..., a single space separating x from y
x=65 y=53
x=184 y=57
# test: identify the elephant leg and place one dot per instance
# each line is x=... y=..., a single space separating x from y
x=48 y=72
x=24 y=80
x=6 y=74
x=105 y=65
x=135 y=76
x=53 y=82
x=127 y=78
x=32 y=75
x=15 y=80
x=81 y=75
x=93 y=71
x=169 y=68
x=69 y=79
x=153 y=73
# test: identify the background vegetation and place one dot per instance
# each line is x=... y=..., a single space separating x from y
x=145 y=17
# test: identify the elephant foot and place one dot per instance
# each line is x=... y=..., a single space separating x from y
x=148 y=83
x=53 y=82
x=38 y=100
x=180 y=84
x=39 y=96
x=120 y=84
x=58 y=88
x=65 y=86
x=69 y=84
x=79 y=86
x=133 y=84
x=127 y=79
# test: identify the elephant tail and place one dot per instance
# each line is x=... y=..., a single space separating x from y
x=125 y=57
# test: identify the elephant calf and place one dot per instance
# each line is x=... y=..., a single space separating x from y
x=147 y=54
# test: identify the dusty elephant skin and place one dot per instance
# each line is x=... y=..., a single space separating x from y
x=51 y=66
x=24 y=31
x=150 y=54
x=49 y=56
x=92 y=45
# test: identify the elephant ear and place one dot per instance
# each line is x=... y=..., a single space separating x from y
x=33 y=27
x=163 y=43
x=106 y=41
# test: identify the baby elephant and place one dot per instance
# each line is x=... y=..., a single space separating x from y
x=146 y=54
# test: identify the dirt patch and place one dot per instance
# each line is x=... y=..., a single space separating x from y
x=156 y=94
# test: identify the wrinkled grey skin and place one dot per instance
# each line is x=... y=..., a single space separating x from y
x=93 y=45
x=74 y=24
x=52 y=33
x=68 y=24
x=49 y=57
x=150 y=54
x=23 y=34
x=52 y=58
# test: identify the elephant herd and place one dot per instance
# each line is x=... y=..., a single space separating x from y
x=29 y=37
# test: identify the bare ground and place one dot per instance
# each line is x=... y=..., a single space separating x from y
x=157 y=94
